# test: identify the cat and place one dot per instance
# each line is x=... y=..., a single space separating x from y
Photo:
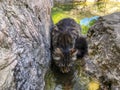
x=67 y=44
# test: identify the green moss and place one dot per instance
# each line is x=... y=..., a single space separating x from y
x=60 y=13
x=85 y=28
x=58 y=16
x=67 y=11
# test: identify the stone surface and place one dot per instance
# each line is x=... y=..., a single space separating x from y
x=24 y=43
x=104 y=49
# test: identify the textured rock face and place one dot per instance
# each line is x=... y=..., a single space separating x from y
x=24 y=43
x=104 y=49
x=63 y=1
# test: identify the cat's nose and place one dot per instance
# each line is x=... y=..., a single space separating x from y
x=61 y=65
x=65 y=69
x=70 y=65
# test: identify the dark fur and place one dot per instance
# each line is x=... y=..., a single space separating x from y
x=82 y=47
x=66 y=43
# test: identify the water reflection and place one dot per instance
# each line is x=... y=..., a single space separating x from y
x=64 y=81
x=56 y=80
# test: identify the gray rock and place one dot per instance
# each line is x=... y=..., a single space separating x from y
x=24 y=43
x=104 y=48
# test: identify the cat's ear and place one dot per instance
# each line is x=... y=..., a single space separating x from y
x=55 y=28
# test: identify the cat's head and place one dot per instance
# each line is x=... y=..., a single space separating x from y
x=64 y=59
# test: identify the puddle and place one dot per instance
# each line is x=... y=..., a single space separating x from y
x=74 y=80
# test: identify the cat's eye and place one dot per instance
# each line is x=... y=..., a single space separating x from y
x=74 y=58
x=73 y=51
x=57 y=58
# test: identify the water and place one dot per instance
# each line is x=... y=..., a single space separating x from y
x=86 y=21
x=74 y=80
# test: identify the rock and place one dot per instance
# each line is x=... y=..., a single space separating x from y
x=24 y=43
x=62 y=1
x=104 y=48
x=68 y=1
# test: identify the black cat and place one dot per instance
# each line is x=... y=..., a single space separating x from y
x=67 y=44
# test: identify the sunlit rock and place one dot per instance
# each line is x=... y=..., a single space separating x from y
x=105 y=55
x=24 y=43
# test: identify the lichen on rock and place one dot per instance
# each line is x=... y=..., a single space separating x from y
x=104 y=49
x=24 y=43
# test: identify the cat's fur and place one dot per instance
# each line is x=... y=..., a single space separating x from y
x=67 y=44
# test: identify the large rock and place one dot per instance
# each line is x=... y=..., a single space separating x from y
x=104 y=50
x=24 y=43
x=63 y=1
